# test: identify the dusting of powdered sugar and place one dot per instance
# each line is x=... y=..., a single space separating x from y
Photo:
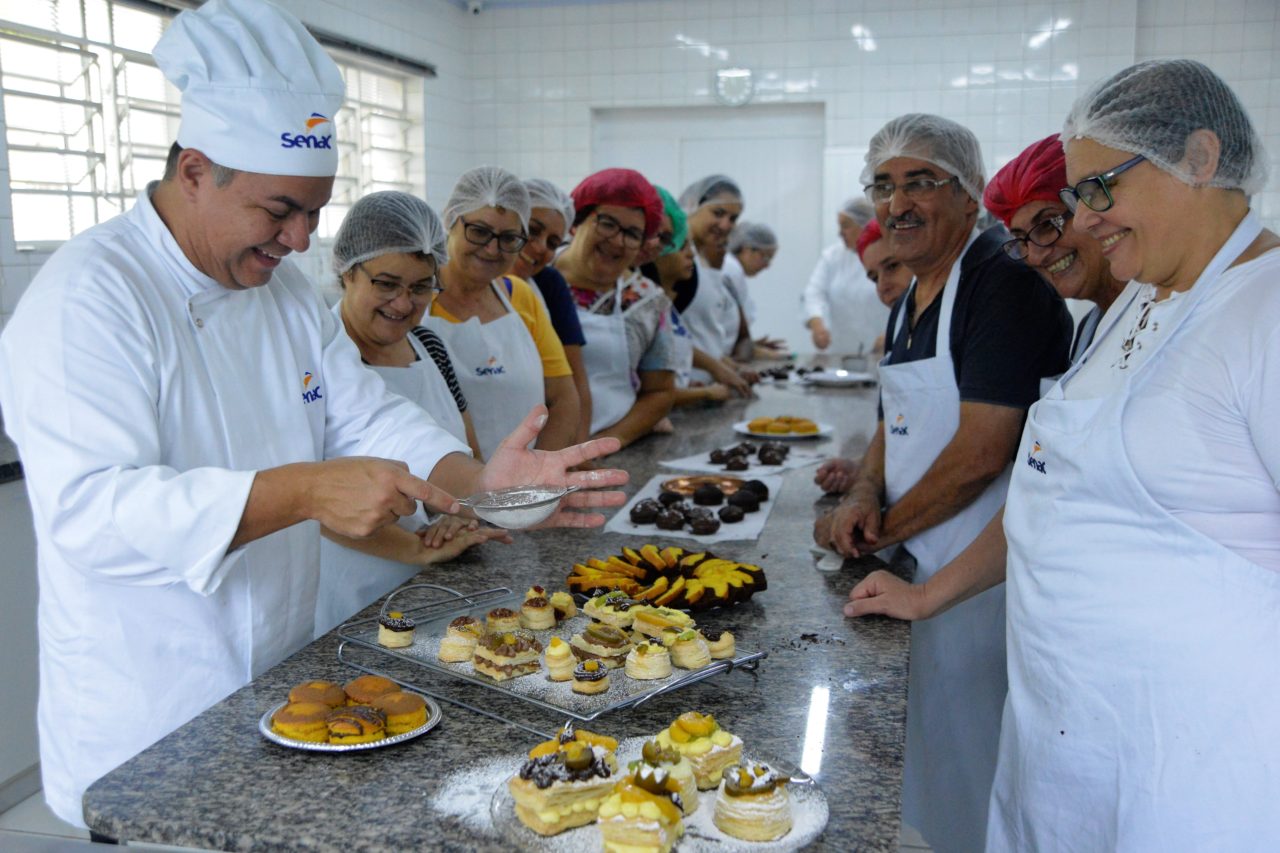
x=478 y=796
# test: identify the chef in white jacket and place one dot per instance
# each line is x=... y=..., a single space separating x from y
x=841 y=309
x=180 y=399
x=713 y=317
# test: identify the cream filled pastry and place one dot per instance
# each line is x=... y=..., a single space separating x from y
x=460 y=638
x=590 y=676
x=648 y=660
x=564 y=788
x=721 y=644
x=395 y=630
x=753 y=804
x=677 y=767
x=651 y=620
x=563 y=605
x=690 y=651
x=559 y=660
x=537 y=615
x=604 y=643
x=709 y=748
x=643 y=813
x=501 y=619
x=613 y=608
x=507 y=655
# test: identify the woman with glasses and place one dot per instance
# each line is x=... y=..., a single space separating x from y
x=631 y=354
x=1141 y=542
x=549 y=220
x=1024 y=195
x=508 y=356
x=386 y=255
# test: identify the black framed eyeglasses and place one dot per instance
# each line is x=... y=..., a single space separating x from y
x=390 y=290
x=1095 y=192
x=914 y=189
x=1043 y=234
x=509 y=242
x=608 y=227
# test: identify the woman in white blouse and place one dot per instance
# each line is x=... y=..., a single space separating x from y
x=841 y=309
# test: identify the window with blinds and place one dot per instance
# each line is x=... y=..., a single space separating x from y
x=88 y=118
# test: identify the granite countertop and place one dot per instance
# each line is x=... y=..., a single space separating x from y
x=217 y=783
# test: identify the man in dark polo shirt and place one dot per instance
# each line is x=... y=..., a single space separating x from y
x=966 y=347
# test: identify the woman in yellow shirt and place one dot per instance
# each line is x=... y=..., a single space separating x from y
x=506 y=354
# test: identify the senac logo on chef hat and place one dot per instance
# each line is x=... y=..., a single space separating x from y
x=307 y=139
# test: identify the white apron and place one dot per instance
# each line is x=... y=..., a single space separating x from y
x=712 y=316
x=957 y=680
x=1142 y=654
x=499 y=368
x=608 y=364
x=351 y=580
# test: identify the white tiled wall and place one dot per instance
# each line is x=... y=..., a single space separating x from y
x=518 y=82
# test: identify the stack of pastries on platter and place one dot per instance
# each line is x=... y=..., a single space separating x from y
x=644 y=640
x=574 y=779
x=670 y=577
x=369 y=708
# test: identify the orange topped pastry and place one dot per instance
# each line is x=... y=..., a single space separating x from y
x=709 y=748
x=753 y=804
x=562 y=789
x=644 y=812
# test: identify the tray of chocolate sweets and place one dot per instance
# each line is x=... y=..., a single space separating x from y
x=541 y=648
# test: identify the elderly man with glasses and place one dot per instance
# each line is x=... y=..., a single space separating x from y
x=966 y=349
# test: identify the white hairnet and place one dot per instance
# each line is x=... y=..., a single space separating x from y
x=543 y=193
x=487 y=186
x=754 y=234
x=709 y=189
x=940 y=141
x=859 y=209
x=386 y=223
x=1152 y=107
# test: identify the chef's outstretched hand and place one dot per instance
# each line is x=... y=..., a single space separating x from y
x=356 y=495
x=885 y=594
x=514 y=464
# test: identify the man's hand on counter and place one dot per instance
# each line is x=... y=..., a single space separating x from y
x=852 y=528
x=885 y=594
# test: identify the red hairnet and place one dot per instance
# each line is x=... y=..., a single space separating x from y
x=623 y=188
x=870 y=233
x=1034 y=175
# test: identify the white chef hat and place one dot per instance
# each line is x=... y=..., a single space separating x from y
x=259 y=93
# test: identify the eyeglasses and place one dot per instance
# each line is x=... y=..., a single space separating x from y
x=390 y=290
x=608 y=227
x=509 y=242
x=1043 y=234
x=1095 y=192
x=914 y=189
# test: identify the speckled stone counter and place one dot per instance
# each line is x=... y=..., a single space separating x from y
x=216 y=783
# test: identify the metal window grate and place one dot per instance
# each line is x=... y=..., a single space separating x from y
x=89 y=118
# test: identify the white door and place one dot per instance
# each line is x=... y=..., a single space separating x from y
x=774 y=152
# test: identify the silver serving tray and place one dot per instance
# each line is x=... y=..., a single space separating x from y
x=536 y=689
x=264 y=726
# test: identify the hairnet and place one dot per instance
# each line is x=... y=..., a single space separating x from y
x=623 y=188
x=869 y=235
x=1152 y=107
x=679 y=222
x=386 y=223
x=546 y=194
x=859 y=210
x=754 y=234
x=1034 y=175
x=949 y=146
x=709 y=189
x=487 y=186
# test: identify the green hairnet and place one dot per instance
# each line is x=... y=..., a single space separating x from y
x=679 y=222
